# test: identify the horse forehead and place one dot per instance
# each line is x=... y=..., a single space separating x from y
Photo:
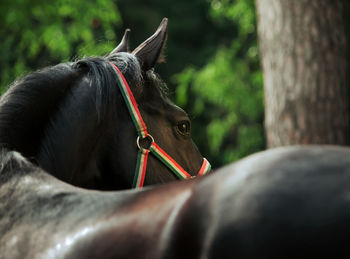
x=126 y=62
x=172 y=109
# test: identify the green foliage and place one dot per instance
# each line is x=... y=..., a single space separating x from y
x=227 y=92
x=39 y=33
x=240 y=11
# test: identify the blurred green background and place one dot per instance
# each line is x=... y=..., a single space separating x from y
x=212 y=68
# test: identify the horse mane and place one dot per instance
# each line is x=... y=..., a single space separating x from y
x=30 y=103
x=26 y=107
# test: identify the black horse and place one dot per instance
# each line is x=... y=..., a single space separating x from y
x=71 y=120
x=283 y=203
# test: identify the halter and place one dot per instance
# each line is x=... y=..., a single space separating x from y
x=143 y=135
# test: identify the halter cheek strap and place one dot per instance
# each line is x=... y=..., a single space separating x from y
x=153 y=148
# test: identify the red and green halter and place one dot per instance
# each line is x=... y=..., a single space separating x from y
x=141 y=129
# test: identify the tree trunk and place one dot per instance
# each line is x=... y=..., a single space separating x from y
x=303 y=54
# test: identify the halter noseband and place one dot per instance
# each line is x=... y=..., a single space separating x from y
x=143 y=135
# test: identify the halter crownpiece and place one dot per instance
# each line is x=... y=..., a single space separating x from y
x=144 y=136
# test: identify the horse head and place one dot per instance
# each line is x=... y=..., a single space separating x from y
x=72 y=120
x=167 y=123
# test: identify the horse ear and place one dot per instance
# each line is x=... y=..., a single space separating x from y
x=150 y=51
x=124 y=44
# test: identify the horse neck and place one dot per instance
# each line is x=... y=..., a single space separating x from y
x=70 y=148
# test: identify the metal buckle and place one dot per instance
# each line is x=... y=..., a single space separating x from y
x=149 y=137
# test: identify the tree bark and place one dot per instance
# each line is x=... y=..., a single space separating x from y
x=303 y=54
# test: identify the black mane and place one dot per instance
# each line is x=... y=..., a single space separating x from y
x=30 y=104
x=26 y=107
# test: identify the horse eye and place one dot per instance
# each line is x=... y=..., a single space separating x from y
x=184 y=127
